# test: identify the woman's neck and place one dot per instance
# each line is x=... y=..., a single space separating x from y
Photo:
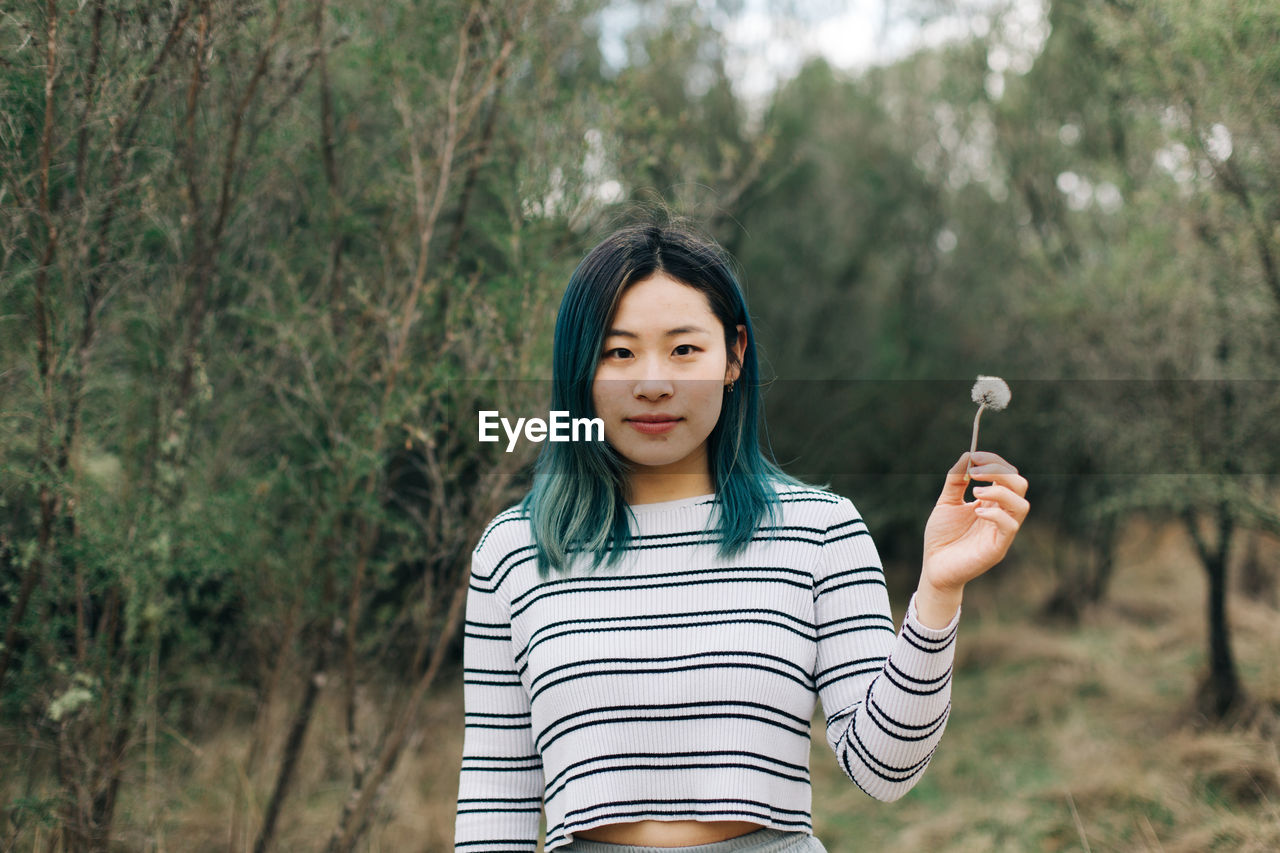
x=655 y=488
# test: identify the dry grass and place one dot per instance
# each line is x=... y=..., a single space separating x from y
x=1059 y=739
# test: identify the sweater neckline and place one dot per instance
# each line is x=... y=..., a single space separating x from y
x=676 y=503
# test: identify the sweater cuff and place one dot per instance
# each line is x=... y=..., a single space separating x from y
x=917 y=626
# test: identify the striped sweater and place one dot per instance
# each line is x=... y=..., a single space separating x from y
x=677 y=685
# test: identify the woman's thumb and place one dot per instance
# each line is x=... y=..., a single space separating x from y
x=957 y=480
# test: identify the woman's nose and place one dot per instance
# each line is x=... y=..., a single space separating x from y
x=653 y=388
x=651 y=383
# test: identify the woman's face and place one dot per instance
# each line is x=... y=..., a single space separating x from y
x=661 y=379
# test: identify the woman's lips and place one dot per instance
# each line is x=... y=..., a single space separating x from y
x=654 y=427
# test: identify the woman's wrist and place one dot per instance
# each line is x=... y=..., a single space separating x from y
x=935 y=608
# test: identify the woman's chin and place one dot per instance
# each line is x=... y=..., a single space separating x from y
x=652 y=463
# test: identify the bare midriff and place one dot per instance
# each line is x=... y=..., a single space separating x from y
x=668 y=833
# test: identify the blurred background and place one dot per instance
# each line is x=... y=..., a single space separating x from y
x=259 y=263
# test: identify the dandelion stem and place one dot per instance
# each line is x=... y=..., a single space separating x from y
x=973 y=445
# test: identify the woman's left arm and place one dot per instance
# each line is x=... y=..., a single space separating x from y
x=962 y=540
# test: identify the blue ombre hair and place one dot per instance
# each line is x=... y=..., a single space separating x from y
x=577 y=502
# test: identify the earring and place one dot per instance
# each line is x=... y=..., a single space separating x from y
x=729 y=387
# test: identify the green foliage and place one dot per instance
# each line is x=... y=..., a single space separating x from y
x=240 y=354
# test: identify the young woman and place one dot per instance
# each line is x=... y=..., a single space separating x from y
x=648 y=631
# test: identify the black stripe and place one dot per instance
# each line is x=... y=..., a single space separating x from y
x=889 y=666
x=925 y=735
x=845 y=573
x=877 y=581
x=860 y=749
x=945 y=641
x=667 y=670
x=627 y=583
x=661 y=621
x=843 y=631
x=930 y=724
x=663 y=763
x=800 y=730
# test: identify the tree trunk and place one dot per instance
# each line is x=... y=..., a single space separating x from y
x=1104 y=552
x=1223 y=686
x=1221 y=693
x=293 y=745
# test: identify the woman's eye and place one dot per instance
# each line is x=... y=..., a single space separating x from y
x=625 y=352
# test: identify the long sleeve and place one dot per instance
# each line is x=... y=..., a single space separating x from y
x=500 y=785
x=886 y=695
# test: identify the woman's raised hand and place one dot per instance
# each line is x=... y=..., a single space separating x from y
x=963 y=540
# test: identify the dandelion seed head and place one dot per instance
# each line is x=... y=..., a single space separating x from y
x=991 y=391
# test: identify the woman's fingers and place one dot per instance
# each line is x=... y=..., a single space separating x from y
x=986 y=457
x=983 y=457
x=1008 y=526
x=1003 y=474
x=1015 y=504
x=1008 y=488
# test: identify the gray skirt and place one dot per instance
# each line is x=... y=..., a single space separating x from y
x=763 y=840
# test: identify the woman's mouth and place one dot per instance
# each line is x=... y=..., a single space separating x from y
x=654 y=424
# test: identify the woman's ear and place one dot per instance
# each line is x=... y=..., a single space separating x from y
x=734 y=370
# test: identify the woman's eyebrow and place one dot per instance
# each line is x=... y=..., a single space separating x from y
x=681 y=330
